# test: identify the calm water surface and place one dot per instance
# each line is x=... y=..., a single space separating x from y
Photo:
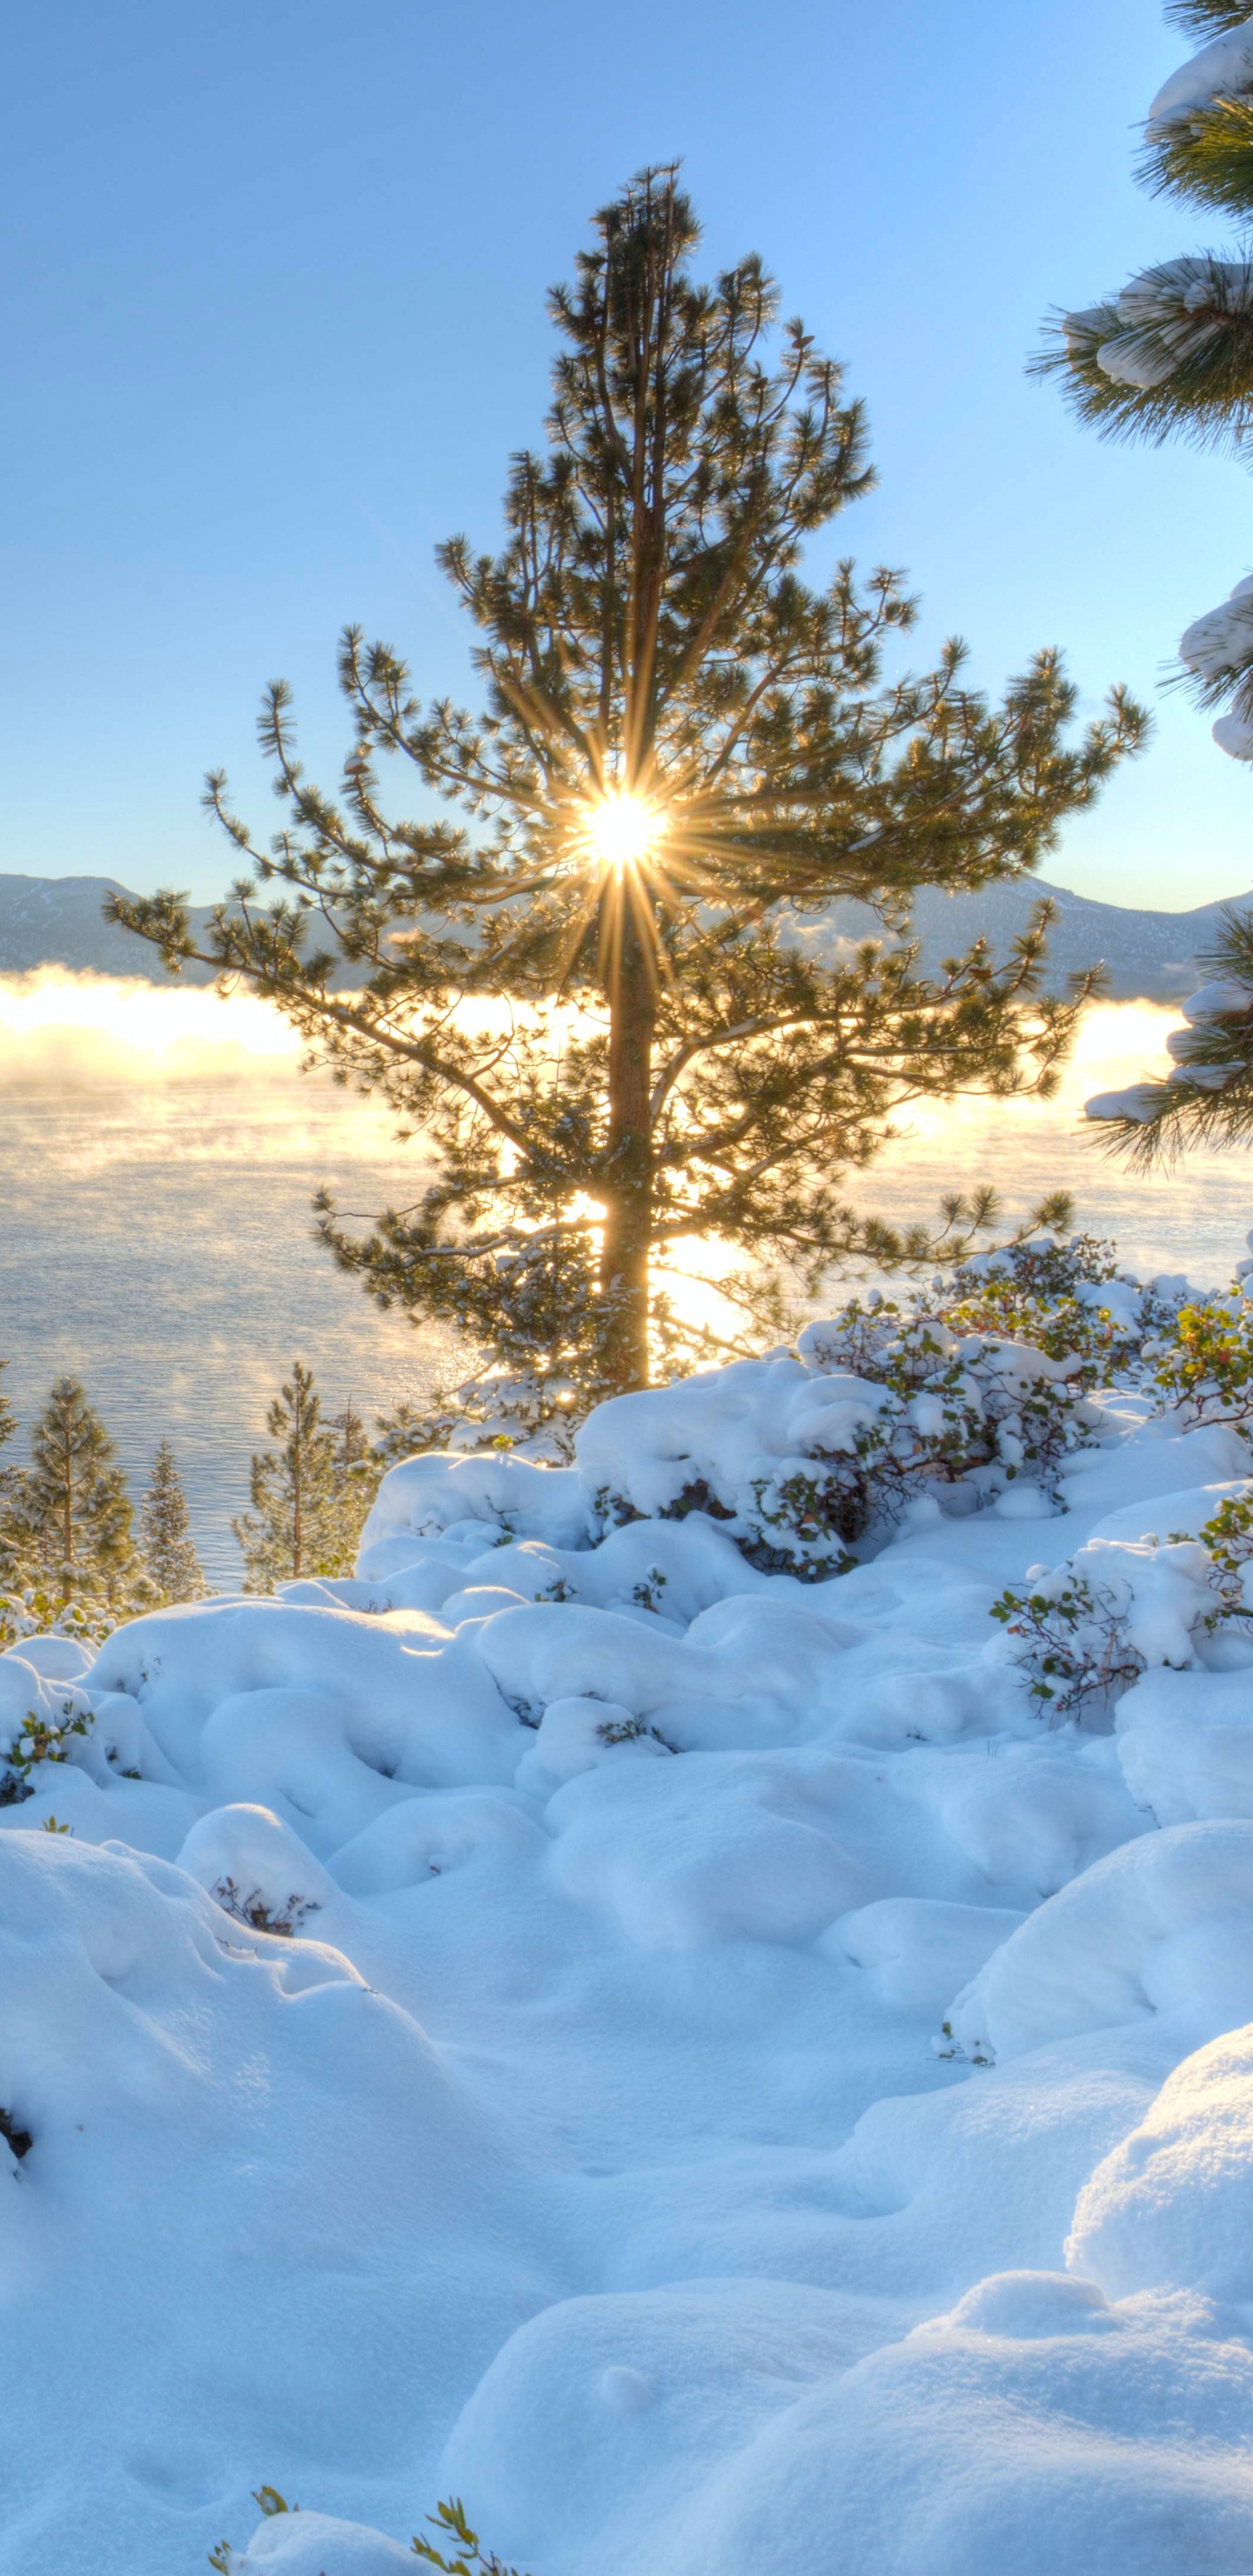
x=158 y=1153
x=155 y=1240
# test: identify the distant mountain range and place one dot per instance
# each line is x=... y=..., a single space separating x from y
x=56 y=921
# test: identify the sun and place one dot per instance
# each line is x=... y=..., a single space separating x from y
x=622 y=830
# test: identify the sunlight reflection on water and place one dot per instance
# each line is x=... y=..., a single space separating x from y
x=159 y=1150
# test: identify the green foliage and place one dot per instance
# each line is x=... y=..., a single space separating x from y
x=942 y=1397
x=67 y=1517
x=1207 y=1365
x=37 y=1612
x=271 y=2503
x=309 y=1496
x=448 y=2522
x=165 y=1535
x=1206 y=19
x=469 y=2557
x=1208 y=1099
x=1228 y=1536
x=608 y=1058
x=1075 y=1642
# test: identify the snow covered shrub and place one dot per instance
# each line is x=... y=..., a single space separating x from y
x=1083 y=1635
x=38 y=1736
x=968 y=1400
x=1075 y=1642
x=1067 y=1299
x=448 y=2522
x=37 y=1613
x=1228 y=1537
x=800 y=1517
x=886 y=1404
x=260 y=1916
x=1206 y=1366
x=271 y=2503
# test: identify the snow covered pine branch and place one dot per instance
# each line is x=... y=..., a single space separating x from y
x=1173 y=351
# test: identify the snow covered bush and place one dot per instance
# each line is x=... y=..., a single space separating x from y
x=1085 y=1631
x=950 y=1400
x=1074 y=1641
x=448 y=2522
x=1205 y=1367
x=37 y=1724
x=37 y=1613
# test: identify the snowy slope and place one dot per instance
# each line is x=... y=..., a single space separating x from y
x=731 y=2088
x=1150 y=955
x=56 y=921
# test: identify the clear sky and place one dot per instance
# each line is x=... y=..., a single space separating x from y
x=274 y=319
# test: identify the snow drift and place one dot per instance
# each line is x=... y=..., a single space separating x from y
x=693 y=2057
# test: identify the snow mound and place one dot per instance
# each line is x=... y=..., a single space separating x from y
x=603 y=2014
x=1163 y=1925
x=1173 y=2205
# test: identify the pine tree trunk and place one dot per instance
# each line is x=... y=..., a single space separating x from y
x=67 y=1531
x=627 y=1239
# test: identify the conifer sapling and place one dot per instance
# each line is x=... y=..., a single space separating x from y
x=165 y=1532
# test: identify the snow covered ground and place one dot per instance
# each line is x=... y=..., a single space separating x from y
x=730 y=2085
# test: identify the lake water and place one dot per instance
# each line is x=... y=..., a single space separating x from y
x=159 y=1151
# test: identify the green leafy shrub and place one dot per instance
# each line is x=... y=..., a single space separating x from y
x=1076 y=1643
x=1077 y=1648
x=1205 y=1367
x=40 y=1738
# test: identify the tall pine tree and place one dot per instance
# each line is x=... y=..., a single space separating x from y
x=1171 y=355
x=310 y=1495
x=165 y=1533
x=70 y=1518
x=584 y=983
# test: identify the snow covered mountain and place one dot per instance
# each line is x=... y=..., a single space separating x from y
x=1146 y=955
x=56 y=921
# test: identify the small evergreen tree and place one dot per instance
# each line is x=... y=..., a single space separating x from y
x=359 y=1469
x=310 y=1495
x=70 y=1517
x=165 y=1533
x=590 y=995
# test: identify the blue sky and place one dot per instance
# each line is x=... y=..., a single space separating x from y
x=274 y=319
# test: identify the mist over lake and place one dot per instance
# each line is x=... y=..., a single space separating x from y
x=159 y=1150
